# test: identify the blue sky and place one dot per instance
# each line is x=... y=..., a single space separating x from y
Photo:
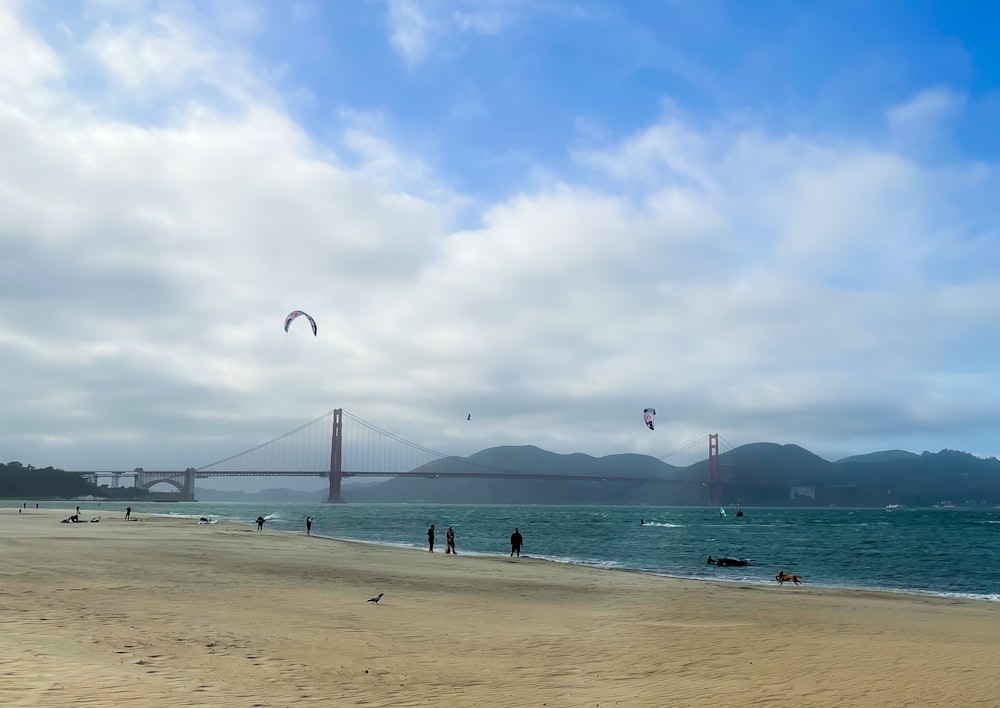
x=540 y=78
x=772 y=220
x=536 y=75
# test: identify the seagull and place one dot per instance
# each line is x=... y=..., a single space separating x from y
x=470 y=417
x=376 y=598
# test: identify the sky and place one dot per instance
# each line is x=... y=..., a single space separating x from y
x=774 y=221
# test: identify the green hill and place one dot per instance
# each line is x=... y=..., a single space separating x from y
x=758 y=474
x=883 y=456
x=19 y=481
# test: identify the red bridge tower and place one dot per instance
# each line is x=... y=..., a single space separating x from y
x=336 y=458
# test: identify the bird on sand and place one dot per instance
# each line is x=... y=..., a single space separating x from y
x=376 y=598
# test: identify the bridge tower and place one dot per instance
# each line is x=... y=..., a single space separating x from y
x=336 y=458
x=714 y=480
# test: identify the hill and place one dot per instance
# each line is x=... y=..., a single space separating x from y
x=758 y=474
x=19 y=481
x=519 y=459
x=883 y=456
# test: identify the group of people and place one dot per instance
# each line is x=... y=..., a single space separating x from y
x=515 y=541
x=449 y=539
x=515 y=538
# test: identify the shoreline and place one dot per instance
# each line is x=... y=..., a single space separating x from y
x=944 y=595
x=988 y=598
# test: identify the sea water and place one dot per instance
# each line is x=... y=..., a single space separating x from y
x=951 y=552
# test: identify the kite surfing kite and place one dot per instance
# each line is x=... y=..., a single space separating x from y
x=648 y=415
x=295 y=313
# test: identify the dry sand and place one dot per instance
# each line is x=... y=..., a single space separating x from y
x=165 y=612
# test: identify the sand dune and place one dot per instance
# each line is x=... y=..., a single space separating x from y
x=165 y=612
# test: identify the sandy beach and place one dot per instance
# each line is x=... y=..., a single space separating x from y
x=166 y=612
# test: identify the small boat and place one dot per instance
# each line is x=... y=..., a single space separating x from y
x=893 y=507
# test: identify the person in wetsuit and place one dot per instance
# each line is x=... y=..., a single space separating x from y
x=515 y=543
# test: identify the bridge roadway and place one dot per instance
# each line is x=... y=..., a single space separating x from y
x=424 y=475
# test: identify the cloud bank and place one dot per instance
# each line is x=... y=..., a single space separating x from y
x=162 y=209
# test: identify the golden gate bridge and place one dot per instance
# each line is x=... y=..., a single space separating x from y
x=338 y=445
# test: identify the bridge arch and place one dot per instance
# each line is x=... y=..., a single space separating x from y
x=149 y=484
x=183 y=482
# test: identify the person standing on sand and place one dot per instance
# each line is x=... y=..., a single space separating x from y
x=309 y=525
x=515 y=543
x=430 y=539
x=260 y=523
x=449 y=539
x=128 y=513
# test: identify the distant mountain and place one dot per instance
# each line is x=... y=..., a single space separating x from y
x=526 y=458
x=883 y=456
x=761 y=474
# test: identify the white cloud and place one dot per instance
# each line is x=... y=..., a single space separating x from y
x=26 y=61
x=764 y=286
x=927 y=106
x=167 y=53
x=921 y=120
x=485 y=16
x=240 y=16
x=416 y=27
x=409 y=30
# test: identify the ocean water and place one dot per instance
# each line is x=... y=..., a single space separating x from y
x=950 y=552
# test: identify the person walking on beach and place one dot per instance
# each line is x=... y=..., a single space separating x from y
x=449 y=539
x=128 y=513
x=260 y=523
x=309 y=525
x=515 y=543
x=430 y=539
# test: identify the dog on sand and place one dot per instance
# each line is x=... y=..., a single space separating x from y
x=782 y=577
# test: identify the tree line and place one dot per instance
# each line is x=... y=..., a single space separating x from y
x=28 y=482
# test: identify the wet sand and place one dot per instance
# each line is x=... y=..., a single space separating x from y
x=166 y=612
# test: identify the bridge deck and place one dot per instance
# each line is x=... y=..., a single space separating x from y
x=423 y=475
